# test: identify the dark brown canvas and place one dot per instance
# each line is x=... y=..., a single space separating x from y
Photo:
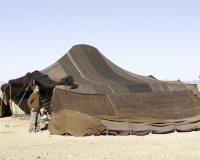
x=117 y=101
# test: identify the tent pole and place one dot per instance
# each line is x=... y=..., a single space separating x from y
x=1 y=107
x=10 y=97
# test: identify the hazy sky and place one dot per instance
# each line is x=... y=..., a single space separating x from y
x=147 y=37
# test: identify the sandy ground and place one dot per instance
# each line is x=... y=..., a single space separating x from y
x=17 y=143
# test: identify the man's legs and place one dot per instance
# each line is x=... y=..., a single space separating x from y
x=32 y=121
x=37 y=123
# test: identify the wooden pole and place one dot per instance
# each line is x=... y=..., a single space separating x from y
x=11 y=106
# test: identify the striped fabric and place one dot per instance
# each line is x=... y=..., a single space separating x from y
x=112 y=96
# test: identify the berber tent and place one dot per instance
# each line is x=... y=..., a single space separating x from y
x=85 y=93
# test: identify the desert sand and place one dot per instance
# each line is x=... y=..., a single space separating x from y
x=17 y=143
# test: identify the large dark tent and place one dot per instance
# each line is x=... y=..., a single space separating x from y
x=86 y=93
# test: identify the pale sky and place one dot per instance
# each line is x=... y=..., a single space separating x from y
x=146 y=37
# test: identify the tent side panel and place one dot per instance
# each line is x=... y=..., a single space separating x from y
x=163 y=105
x=91 y=104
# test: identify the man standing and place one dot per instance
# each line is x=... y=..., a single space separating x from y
x=35 y=105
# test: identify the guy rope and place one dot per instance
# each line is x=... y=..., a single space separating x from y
x=7 y=125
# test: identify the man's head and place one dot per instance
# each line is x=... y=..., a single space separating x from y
x=35 y=88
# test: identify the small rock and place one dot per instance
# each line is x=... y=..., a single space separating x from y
x=38 y=157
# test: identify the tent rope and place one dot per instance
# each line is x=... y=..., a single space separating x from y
x=19 y=103
x=19 y=91
x=22 y=96
x=13 y=98
x=7 y=125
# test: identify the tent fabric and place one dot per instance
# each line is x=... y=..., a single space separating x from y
x=142 y=126
x=42 y=79
x=139 y=126
x=89 y=67
x=74 y=123
x=137 y=114
x=102 y=90
x=4 y=109
x=164 y=105
x=18 y=87
x=106 y=89
x=88 y=104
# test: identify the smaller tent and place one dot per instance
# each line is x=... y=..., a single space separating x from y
x=16 y=88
